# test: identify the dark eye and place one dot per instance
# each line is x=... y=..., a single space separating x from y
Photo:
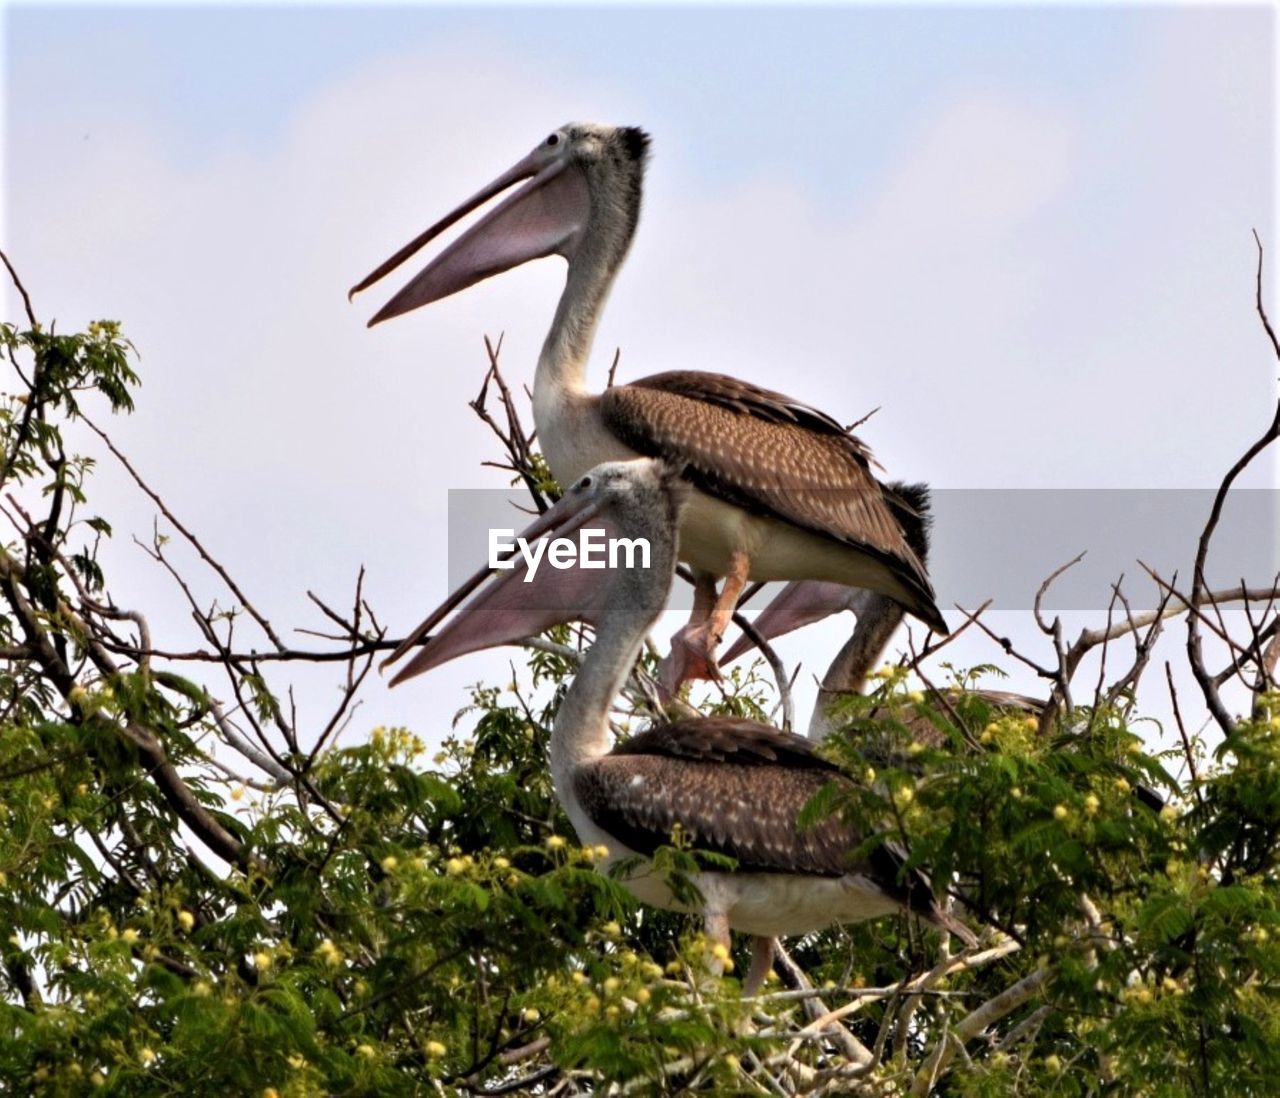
x=584 y=483
x=554 y=139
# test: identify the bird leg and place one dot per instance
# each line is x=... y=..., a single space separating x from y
x=693 y=648
x=716 y=926
x=761 y=964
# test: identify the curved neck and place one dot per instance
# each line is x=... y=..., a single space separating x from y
x=878 y=618
x=635 y=601
x=562 y=365
x=581 y=730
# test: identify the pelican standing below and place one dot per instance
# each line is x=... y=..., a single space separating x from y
x=781 y=490
x=732 y=786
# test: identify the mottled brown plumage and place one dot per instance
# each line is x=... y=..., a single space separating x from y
x=772 y=456
x=735 y=787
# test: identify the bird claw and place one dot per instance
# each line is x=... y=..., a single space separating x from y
x=692 y=656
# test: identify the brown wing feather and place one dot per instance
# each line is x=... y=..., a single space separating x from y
x=727 y=739
x=771 y=455
x=737 y=787
x=747 y=811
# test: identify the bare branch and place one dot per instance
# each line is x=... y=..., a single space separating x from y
x=22 y=290
x=191 y=539
x=1199 y=592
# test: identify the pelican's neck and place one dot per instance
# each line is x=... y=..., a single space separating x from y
x=878 y=618
x=581 y=731
x=562 y=366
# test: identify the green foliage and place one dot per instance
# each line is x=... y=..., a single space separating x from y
x=376 y=918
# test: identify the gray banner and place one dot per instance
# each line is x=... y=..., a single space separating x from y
x=1001 y=544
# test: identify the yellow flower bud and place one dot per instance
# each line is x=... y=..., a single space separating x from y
x=435 y=1049
x=501 y=863
x=643 y=995
x=262 y=960
x=530 y=1014
x=389 y=863
x=602 y=851
x=186 y=920
x=367 y=1051
x=129 y=935
x=611 y=928
x=1091 y=804
x=455 y=866
x=147 y=1056
x=1061 y=812
x=555 y=842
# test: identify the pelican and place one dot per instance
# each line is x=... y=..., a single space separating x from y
x=781 y=490
x=803 y=602
x=732 y=786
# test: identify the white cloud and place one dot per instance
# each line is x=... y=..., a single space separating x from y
x=990 y=293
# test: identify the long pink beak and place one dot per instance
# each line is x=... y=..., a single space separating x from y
x=800 y=603
x=508 y=609
x=544 y=217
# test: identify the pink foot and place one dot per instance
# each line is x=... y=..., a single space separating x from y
x=692 y=656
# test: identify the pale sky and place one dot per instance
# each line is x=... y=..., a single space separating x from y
x=1023 y=233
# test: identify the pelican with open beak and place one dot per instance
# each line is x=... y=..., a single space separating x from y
x=780 y=490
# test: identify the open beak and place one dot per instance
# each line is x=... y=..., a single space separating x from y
x=544 y=217
x=508 y=609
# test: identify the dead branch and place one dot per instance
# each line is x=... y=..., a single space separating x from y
x=953 y=1040
x=1195 y=653
x=22 y=290
x=190 y=538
